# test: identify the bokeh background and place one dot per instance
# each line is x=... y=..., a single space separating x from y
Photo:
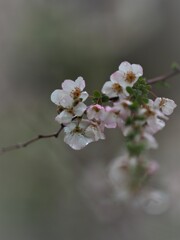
x=48 y=191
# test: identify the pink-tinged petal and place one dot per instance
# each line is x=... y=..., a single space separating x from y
x=84 y=95
x=79 y=109
x=152 y=167
x=125 y=67
x=68 y=85
x=64 y=117
x=95 y=112
x=117 y=77
x=166 y=105
x=154 y=125
x=151 y=141
x=95 y=132
x=57 y=96
x=77 y=141
x=80 y=83
x=137 y=70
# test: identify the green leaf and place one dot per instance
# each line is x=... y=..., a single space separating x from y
x=175 y=66
x=105 y=98
x=135 y=149
x=97 y=94
x=129 y=90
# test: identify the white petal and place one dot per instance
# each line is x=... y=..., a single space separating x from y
x=154 y=125
x=169 y=107
x=117 y=77
x=137 y=70
x=80 y=83
x=84 y=95
x=95 y=133
x=57 y=96
x=77 y=141
x=151 y=141
x=125 y=67
x=157 y=102
x=68 y=85
x=166 y=105
x=64 y=117
x=70 y=127
x=156 y=202
x=108 y=90
x=79 y=109
x=67 y=101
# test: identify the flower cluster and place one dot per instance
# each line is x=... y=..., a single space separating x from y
x=123 y=103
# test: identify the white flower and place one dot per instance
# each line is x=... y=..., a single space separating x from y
x=166 y=105
x=70 y=112
x=113 y=88
x=75 y=88
x=128 y=74
x=71 y=91
x=95 y=112
x=76 y=135
x=123 y=107
x=97 y=130
x=111 y=118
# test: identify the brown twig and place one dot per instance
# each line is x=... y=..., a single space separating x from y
x=25 y=144
x=164 y=77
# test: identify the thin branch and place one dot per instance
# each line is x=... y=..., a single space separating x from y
x=33 y=140
x=164 y=77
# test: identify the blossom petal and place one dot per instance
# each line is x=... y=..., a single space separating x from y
x=77 y=141
x=68 y=85
x=125 y=67
x=79 y=109
x=117 y=77
x=67 y=101
x=57 y=96
x=108 y=90
x=80 y=83
x=64 y=117
x=137 y=70
x=84 y=95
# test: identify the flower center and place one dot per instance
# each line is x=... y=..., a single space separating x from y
x=77 y=129
x=130 y=77
x=162 y=103
x=96 y=109
x=117 y=88
x=76 y=93
x=149 y=112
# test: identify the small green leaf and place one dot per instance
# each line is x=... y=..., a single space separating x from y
x=105 y=98
x=175 y=66
x=96 y=94
x=129 y=90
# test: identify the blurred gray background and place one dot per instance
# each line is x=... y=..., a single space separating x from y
x=48 y=191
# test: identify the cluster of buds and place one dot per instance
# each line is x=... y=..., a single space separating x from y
x=123 y=103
